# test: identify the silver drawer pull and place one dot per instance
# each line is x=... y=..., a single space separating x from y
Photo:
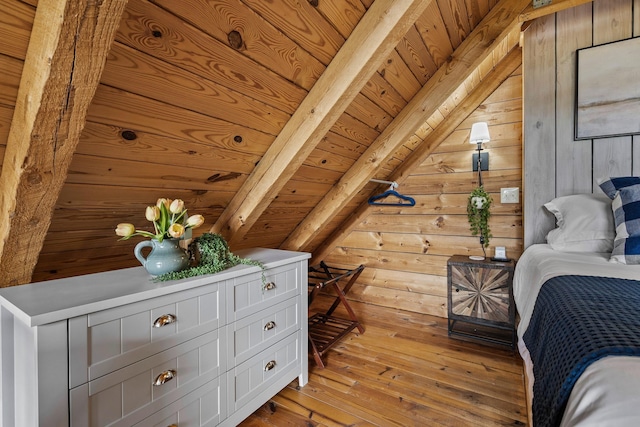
x=269 y=326
x=269 y=286
x=269 y=366
x=165 y=319
x=164 y=377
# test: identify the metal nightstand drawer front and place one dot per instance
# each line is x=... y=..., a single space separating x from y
x=480 y=300
x=480 y=293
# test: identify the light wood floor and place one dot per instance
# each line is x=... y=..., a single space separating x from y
x=403 y=371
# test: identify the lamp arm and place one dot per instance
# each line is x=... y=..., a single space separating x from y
x=479 y=164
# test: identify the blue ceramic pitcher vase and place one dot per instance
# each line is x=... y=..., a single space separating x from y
x=165 y=256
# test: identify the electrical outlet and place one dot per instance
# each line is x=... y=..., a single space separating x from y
x=510 y=195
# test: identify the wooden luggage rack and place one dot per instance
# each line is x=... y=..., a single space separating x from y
x=325 y=329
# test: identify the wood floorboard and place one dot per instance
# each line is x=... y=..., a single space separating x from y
x=403 y=371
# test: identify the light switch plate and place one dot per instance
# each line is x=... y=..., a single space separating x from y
x=510 y=195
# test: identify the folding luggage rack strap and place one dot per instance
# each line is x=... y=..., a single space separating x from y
x=325 y=329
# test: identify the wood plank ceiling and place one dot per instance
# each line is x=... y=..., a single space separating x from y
x=269 y=118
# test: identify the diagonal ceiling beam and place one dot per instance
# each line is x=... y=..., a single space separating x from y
x=489 y=84
x=496 y=27
x=67 y=51
x=378 y=32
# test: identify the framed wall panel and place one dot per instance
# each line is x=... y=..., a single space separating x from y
x=608 y=90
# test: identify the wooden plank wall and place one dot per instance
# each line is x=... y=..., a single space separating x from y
x=405 y=250
x=555 y=164
x=181 y=113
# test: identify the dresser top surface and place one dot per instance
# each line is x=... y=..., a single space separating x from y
x=50 y=301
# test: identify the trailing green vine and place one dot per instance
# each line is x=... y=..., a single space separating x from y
x=479 y=216
x=212 y=255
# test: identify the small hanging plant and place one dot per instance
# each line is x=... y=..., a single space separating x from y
x=479 y=211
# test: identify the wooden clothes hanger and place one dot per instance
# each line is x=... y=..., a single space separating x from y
x=378 y=199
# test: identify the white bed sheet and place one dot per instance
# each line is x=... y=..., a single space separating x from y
x=608 y=392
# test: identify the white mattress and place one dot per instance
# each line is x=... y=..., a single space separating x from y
x=608 y=392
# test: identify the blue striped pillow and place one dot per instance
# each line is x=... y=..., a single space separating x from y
x=612 y=185
x=626 y=214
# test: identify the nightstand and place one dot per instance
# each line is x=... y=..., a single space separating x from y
x=480 y=300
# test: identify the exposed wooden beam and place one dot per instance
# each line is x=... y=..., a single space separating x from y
x=487 y=36
x=66 y=55
x=488 y=85
x=377 y=33
x=531 y=13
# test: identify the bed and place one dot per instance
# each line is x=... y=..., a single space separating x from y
x=573 y=377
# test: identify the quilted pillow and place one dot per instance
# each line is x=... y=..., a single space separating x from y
x=626 y=214
x=584 y=223
x=611 y=185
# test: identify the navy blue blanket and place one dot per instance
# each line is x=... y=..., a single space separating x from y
x=576 y=321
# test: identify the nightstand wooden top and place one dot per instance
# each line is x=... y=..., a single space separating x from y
x=465 y=260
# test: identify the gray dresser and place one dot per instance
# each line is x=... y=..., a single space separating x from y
x=117 y=349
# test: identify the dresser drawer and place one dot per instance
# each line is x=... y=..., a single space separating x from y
x=250 y=335
x=108 y=340
x=133 y=393
x=205 y=406
x=264 y=374
x=247 y=295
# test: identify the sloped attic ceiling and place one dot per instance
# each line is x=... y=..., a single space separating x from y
x=269 y=118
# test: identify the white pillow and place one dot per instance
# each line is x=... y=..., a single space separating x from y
x=584 y=223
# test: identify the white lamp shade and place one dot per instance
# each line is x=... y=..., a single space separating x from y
x=479 y=133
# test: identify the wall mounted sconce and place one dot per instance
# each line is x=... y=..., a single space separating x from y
x=480 y=135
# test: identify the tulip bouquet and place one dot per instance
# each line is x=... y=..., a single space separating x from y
x=169 y=218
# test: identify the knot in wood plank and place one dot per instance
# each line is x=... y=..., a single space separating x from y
x=235 y=40
x=129 y=135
